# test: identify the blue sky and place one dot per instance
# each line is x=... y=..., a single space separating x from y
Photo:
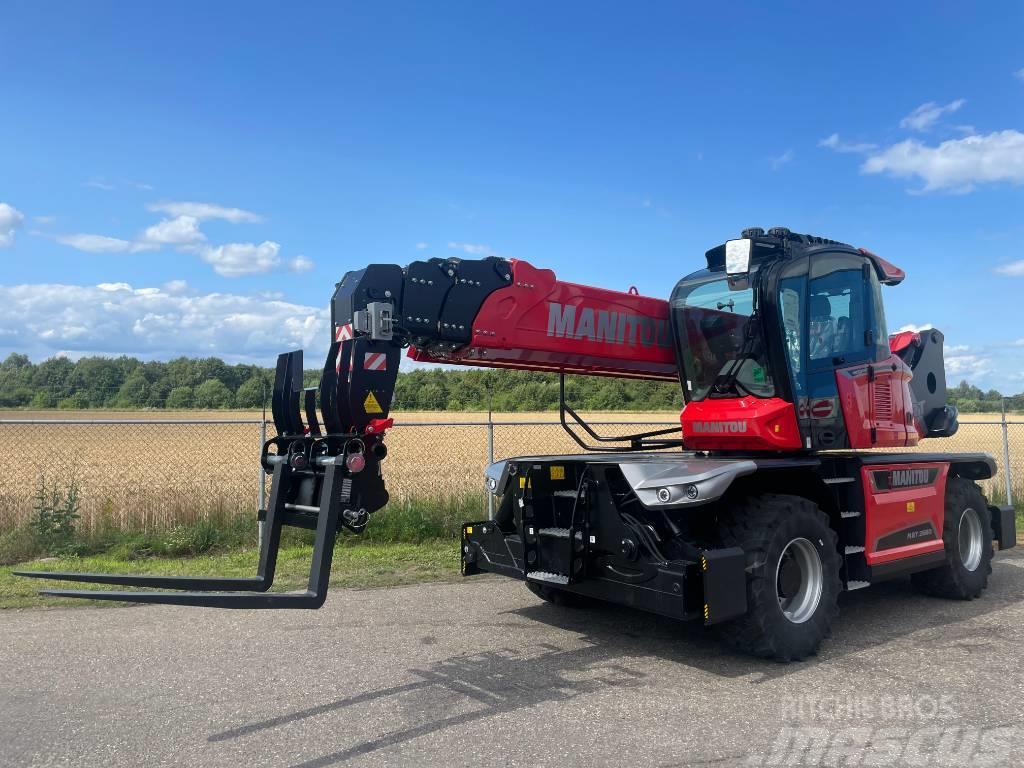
x=193 y=178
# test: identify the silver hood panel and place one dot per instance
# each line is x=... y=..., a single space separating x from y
x=682 y=480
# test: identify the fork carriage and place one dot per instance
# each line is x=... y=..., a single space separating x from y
x=324 y=478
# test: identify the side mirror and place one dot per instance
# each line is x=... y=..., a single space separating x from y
x=737 y=256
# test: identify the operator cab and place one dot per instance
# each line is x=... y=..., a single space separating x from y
x=782 y=343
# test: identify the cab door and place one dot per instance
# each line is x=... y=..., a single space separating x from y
x=841 y=348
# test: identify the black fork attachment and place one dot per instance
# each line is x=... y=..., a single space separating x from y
x=326 y=467
x=325 y=477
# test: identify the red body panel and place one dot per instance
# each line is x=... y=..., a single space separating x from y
x=878 y=409
x=741 y=424
x=903 y=518
x=900 y=341
x=542 y=324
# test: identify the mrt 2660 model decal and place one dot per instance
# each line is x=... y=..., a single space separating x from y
x=904 y=506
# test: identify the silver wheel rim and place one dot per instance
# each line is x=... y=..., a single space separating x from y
x=970 y=537
x=799 y=604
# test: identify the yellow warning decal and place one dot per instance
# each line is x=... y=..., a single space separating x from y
x=522 y=482
x=469 y=530
x=370 y=404
x=911 y=506
x=558 y=473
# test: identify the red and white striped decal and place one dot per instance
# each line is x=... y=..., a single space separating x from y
x=341 y=333
x=375 y=361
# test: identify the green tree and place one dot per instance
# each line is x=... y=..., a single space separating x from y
x=213 y=393
x=252 y=393
x=134 y=393
x=180 y=397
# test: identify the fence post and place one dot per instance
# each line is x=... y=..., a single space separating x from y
x=490 y=460
x=490 y=448
x=1006 y=455
x=261 y=496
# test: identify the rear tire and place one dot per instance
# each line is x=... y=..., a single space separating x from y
x=967 y=536
x=556 y=596
x=793 y=582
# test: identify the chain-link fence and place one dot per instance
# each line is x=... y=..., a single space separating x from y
x=155 y=474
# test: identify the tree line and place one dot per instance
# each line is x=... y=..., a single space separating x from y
x=128 y=383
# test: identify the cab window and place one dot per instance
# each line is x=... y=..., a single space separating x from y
x=837 y=313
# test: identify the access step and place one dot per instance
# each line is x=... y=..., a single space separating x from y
x=548 y=576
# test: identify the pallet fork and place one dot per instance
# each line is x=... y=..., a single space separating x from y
x=325 y=477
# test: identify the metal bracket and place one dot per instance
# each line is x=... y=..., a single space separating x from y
x=376 y=321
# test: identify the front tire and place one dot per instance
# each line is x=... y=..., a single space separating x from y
x=967 y=536
x=793 y=582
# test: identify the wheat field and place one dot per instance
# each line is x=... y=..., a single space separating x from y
x=149 y=474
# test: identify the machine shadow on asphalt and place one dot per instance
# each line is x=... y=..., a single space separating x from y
x=887 y=612
x=470 y=687
x=601 y=649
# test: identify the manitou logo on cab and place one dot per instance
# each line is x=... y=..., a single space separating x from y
x=720 y=427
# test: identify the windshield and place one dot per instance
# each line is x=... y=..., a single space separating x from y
x=722 y=352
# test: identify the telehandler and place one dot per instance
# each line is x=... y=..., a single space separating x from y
x=787 y=482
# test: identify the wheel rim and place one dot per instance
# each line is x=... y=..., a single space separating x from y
x=971 y=543
x=799 y=577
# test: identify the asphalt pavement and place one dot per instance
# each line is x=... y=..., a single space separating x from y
x=482 y=673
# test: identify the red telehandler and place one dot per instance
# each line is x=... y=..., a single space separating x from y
x=761 y=509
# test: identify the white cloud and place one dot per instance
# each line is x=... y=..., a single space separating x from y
x=11 y=219
x=833 y=142
x=967 y=366
x=44 y=220
x=102 y=244
x=957 y=348
x=1013 y=268
x=181 y=230
x=301 y=264
x=99 y=184
x=115 y=318
x=236 y=259
x=203 y=211
x=957 y=164
x=780 y=160
x=422 y=246
x=926 y=115
x=1019 y=74
x=915 y=328
x=474 y=248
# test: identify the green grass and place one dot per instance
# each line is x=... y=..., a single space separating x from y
x=224 y=530
x=358 y=564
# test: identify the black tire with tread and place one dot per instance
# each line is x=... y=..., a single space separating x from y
x=762 y=525
x=951 y=579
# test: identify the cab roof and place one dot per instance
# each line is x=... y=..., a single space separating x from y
x=780 y=243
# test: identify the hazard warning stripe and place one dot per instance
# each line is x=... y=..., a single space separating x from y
x=375 y=361
x=343 y=332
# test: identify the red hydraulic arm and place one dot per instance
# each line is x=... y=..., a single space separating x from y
x=539 y=323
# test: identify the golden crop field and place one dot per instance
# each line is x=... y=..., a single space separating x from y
x=152 y=474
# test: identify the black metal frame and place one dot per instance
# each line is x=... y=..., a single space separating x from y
x=207 y=592
x=638 y=441
x=310 y=484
